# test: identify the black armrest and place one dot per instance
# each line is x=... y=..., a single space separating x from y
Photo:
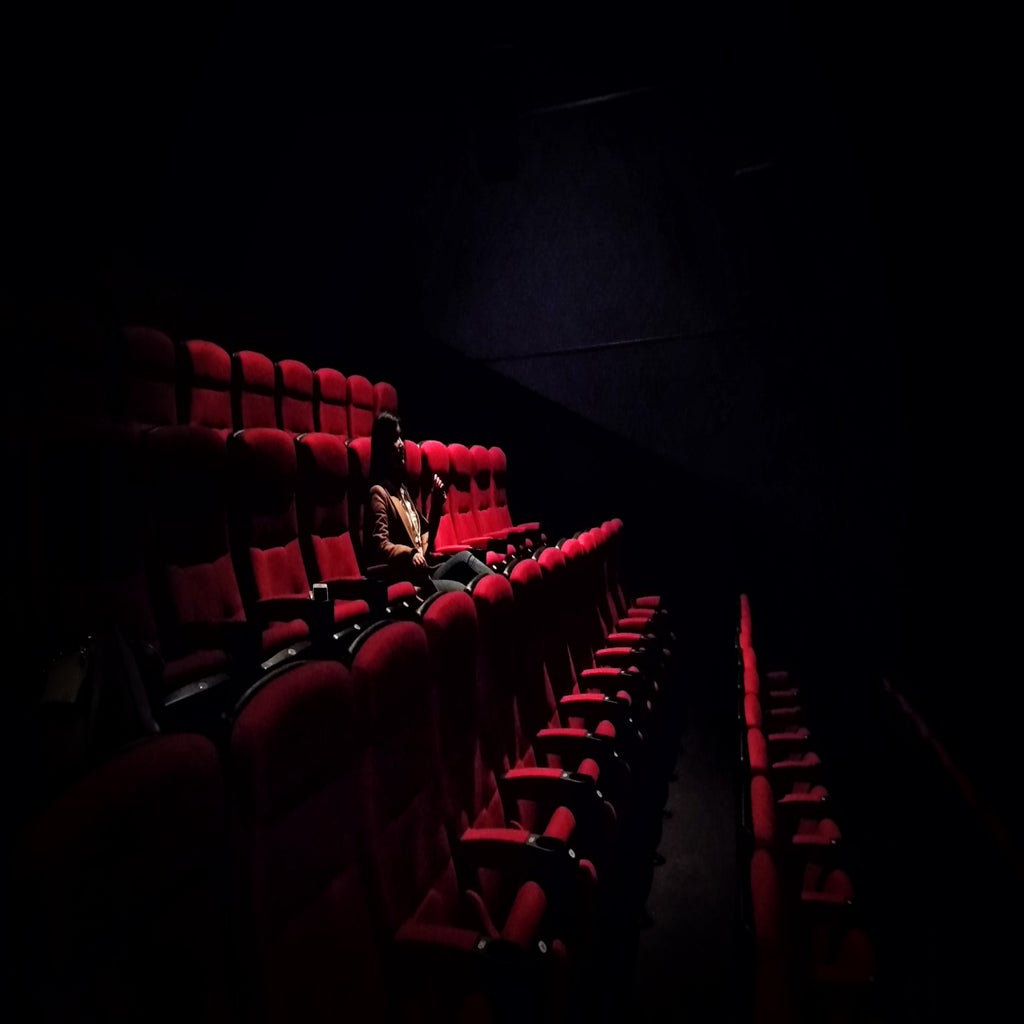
x=553 y=788
x=572 y=746
x=524 y=854
x=594 y=708
x=360 y=588
x=318 y=615
x=513 y=972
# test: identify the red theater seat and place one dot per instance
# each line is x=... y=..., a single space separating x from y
x=253 y=391
x=116 y=893
x=204 y=635
x=362 y=406
x=294 y=388
x=148 y=375
x=418 y=892
x=326 y=537
x=206 y=386
x=268 y=555
x=330 y=402
x=385 y=398
x=309 y=950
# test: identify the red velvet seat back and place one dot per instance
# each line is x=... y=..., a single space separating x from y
x=253 y=391
x=294 y=393
x=117 y=882
x=148 y=361
x=330 y=394
x=435 y=459
x=264 y=522
x=450 y=622
x=497 y=671
x=297 y=757
x=488 y=518
x=408 y=843
x=385 y=398
x=362 y=405
x=499 y=488
x=359 y=493
x=534 y=697
x=460 y=496
x=206 y=386
x=557 y=623
x=195 y=588
x=323 y=507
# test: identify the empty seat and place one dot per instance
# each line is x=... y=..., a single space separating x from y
x=628 y=607
x=496 y=859
x=268 y=556
x=116 y=893
x=434 y=459
x=324 y=510
x=361 y=406
x=585 y=708
x=206 y=386
x=385 y=398
x=330 y=402
x=543 y=742
x=148 y=377
x=530 y=794
x=204 y=635
x=253 y=391
x=806 y=968
x=359 y=495
x=804 y=847
x=460 y=497
x=294 y=383
x=597 y=667
x=309 y=946
x=502 y=515
x=419 y=895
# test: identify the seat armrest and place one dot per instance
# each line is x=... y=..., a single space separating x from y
x=440 y=964
x=552 y=788
x=573 y=746
x=318 y=615
x=359 y=588
x=598 y=707
x=523 y=854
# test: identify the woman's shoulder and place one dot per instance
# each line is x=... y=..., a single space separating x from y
x=379 y=491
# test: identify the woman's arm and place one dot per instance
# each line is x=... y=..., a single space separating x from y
x=438 y=496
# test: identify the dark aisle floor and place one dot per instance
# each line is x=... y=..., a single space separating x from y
x=687 y=963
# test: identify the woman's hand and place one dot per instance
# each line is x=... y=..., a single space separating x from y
x=437 y=490
x=418 y=560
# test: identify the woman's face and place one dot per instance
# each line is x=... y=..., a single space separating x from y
x=398 y=450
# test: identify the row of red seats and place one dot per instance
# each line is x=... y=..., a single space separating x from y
x=142 y=378
x=425 y=827
x=811 y=960
x=203 y=549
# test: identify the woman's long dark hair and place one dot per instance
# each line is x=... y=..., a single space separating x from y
x=382 y=441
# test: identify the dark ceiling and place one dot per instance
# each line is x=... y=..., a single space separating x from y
x=112 y=114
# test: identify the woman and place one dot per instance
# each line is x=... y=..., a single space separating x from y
x=398 y=535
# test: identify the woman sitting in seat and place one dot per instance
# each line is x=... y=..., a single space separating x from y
x=398 y=536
